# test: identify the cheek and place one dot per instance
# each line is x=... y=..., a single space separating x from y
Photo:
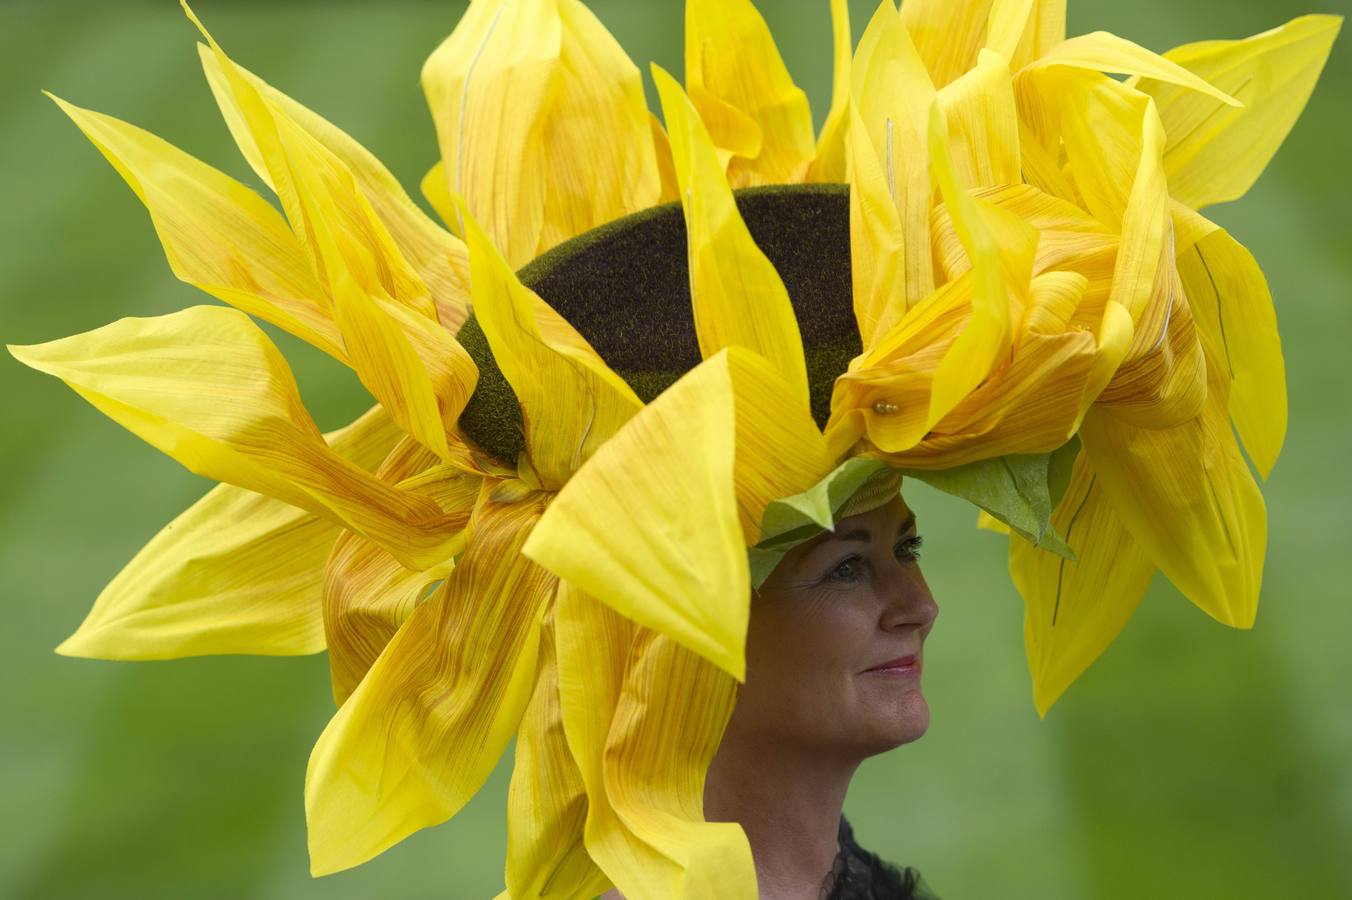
x=801 y=667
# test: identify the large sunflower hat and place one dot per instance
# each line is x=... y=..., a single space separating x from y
x=649 y=358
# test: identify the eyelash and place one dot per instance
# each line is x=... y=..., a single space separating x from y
x=910 y=553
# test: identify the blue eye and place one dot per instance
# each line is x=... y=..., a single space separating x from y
x=853 y=568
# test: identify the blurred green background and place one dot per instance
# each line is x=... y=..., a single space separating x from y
x=1191 y=761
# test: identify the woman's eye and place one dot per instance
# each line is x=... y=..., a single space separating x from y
x=909 y=549
x=846 y=571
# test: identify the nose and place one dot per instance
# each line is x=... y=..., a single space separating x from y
x=907 y=601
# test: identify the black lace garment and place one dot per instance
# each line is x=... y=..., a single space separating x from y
x=860 y=875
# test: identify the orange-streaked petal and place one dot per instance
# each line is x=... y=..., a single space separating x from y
x=427 y=724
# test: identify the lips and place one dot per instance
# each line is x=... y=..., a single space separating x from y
x=900 y=664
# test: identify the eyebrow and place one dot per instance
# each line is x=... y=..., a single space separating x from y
x=863 y=535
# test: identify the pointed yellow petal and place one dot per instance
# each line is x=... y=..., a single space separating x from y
x=547 y=800
x=438 y=258
x=1101 y=51
x=1187 y=497
x=1215 y=153
x=207 y=387
x=571 y=400
x=830 y=162
x=1229 y=296
x=1074 y=610
x=658 y=522
x=878 y=242
x=218 y=235
x=983 y=126
x=666 y=166
x=644 y=718
x=731 y=61
x=738 y=297
x=427 y=724
x=948 y=34
x=892 y=267
x=237 y=572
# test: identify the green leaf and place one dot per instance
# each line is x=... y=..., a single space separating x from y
x=1019 y=489
x=790 y=521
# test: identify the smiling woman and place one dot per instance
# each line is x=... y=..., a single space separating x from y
x=629 y=491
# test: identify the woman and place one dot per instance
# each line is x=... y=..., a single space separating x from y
x=616 y=393
x=834 y=658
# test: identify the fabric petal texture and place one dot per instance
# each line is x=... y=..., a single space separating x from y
x=987 y=271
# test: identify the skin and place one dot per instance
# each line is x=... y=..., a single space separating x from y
x=810 y=712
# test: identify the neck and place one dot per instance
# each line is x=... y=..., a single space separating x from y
x=789 y=803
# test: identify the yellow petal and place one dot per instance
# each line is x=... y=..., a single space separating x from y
x=731 y=62
x=1187 y=497
x=890 y=192
x=985 y=336
x=1023 y=30
x=207 y=387
x=738 y=297
x=1101 y=51
x=658 y=522
x=644 y=718
x=948 y=34
x=671 y=186
x=1230 y=299
x=1215 y=153
x=878 y=242
x=437 y=257
x=571 y=400
x=427 y=724
x=520 y=92
x=547 y=800
x=367 y=592
x=830 y=162
x=436 y=190
x=217 y=234
x=236 y=572
x=983 y=126
x=1074 y=609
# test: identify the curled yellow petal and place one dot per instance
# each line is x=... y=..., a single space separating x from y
x=547 y=801
x=1215 y=152
x=236 y=572
x=737 y=296
x=425 y=727
x=657 y=523
x=983 y=126
x=571 y=400
x=1101 y=51
x=735 y=76
x=644 y=717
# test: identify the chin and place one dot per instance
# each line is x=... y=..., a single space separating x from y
x=901 y=721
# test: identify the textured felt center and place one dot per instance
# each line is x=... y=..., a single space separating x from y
x=625 y=287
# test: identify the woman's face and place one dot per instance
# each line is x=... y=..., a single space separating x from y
x=828 y=618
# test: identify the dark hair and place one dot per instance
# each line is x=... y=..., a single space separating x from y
x=858 y=874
